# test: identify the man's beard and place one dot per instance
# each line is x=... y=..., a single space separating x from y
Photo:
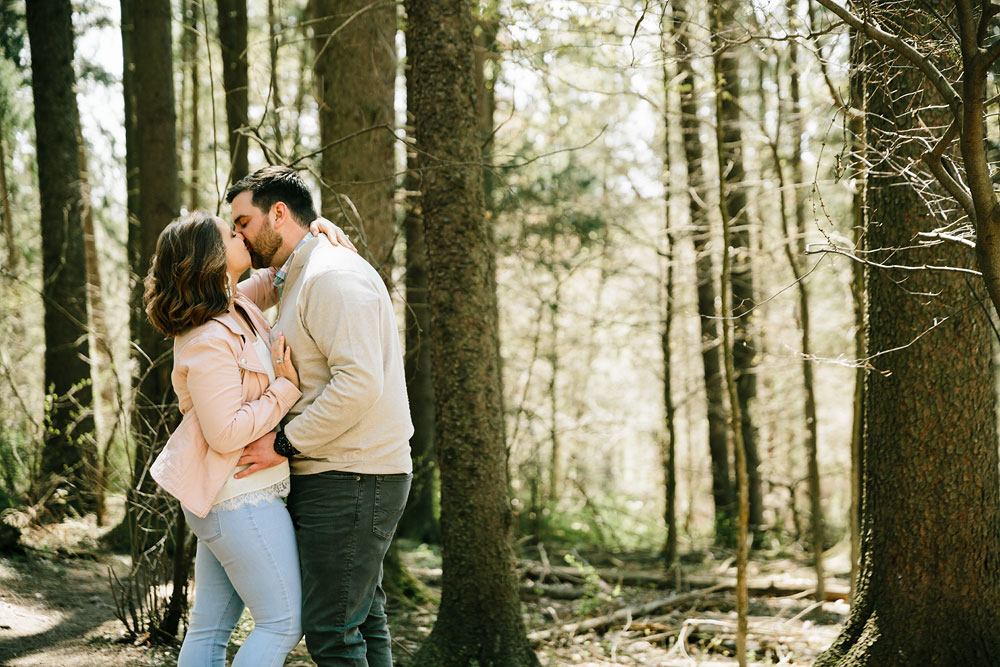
x=264 y=246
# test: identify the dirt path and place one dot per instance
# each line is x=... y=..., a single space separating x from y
x=60 y=612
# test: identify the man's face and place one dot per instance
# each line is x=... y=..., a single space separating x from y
x=258 y=233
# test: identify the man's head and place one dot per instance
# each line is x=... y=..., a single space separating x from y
x=272 y=208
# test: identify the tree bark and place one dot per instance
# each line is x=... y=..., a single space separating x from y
x=235 y=78
x=744 y=300
x=418 y=521
x=930 y=507
x=190 y=52
x=102 y=369
x=668 y=453
x=480 y=614
x=13 y=255
x=723 y=493
x=153 y=201
x=808 y=385
x=354 y=84
x=69 y=450
x=720 y=14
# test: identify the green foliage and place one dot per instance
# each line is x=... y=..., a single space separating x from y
x=595 y=595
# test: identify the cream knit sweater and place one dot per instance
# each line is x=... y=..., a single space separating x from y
x=337 y=316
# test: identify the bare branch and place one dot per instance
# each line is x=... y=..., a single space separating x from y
x=812 y=249
x=897 y=44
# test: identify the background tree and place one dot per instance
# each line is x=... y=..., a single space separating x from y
x=354 y=84
x=70 y=450
x=479 y=618
x=419 y=520
x=153 y=201
x=233 y=40
x=723 y=493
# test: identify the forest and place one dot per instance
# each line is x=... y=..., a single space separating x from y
x=694 y=300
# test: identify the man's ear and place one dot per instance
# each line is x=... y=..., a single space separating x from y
x=281 y=215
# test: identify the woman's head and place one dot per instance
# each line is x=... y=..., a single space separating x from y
x=189 y=280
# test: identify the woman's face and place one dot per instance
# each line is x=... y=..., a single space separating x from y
x=237 y=256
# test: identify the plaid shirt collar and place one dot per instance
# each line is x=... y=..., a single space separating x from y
x=279 y=277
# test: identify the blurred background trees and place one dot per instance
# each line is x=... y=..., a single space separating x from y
x=590 y=132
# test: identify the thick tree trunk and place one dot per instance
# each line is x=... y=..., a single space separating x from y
x=70 y=450
x=153 y=201
x=418 y=521
x=354 y=81
x=930 y=507
x=722 y=484
x=480 y=614
x=235 y=78
x=744 y=300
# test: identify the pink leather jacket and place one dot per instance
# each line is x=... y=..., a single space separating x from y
x=223 y=393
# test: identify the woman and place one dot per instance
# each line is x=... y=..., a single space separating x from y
x=231 y=390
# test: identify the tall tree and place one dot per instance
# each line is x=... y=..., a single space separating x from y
x=480 y=614
x=235 y=78
x=190 y=74
x=797 y=123
x=418 y=520
x=723 y=493
x=354 y=79
x=930 y=501
x=153 y=201
x=735 y=202
x=70 y=450
x=668 y=453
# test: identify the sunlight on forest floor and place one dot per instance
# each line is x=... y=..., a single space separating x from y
x=56 y=609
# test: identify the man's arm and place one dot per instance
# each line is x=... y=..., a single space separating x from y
x=341 y=311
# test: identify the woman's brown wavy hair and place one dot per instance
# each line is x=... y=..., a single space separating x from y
x=187 y=281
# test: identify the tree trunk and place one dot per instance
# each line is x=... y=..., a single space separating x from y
x=70 y=450
x=930 y=507
x=856 y=127
x=274 y=25
x=418 y=521
x=13 y=256
x=722 y=485
x=153 y=196
x=668 y=453
x=812 y=444
x=190 y=52
x=744 y=301
x=354 y=81
x=233 y=43
x=480 y=614
x=102 y=365
x=721 y=14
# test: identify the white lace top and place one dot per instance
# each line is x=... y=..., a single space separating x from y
x=265 y=484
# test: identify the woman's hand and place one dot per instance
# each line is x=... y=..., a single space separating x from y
x=332 y=232
x=281 y=357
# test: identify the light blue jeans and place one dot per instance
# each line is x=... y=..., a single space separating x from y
x=246 y=557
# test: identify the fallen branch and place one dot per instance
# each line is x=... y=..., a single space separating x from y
x=625 y=614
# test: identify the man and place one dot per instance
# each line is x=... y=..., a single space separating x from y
x=347 y=438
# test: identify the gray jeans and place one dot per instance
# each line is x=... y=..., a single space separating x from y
x=344 y=523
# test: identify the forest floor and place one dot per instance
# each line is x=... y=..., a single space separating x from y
x=56 y=609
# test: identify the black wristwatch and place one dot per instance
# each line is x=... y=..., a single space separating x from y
x=282 y=446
